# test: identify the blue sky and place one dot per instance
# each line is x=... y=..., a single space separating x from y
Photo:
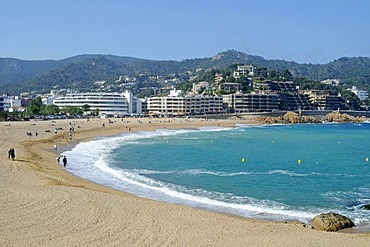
x=305 y=31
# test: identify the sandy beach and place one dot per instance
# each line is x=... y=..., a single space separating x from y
x=43 y=205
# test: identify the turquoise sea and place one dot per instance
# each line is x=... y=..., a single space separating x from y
x=275 y=172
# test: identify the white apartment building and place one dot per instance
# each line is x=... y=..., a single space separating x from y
x=244 y=70
x=184 y=105
x=333 y=82
x=11 y=102
x=361 y=94
x=47 y=100
x=108 y=104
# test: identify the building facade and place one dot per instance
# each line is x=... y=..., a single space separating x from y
x=321 y=100
x=184 y=105
x=244 y=70
x=107 y=104
x=230 y=87
x=332 y=82
x=361 y=94
x=289 y=97
x=251 y=102
x=11 y=102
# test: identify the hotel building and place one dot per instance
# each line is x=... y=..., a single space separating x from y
x=184 y=105
x=108 y=104
x=251 y=102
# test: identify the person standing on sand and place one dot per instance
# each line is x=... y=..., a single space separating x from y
x=55 y=147
x=64 y=161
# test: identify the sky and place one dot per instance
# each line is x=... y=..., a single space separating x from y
x=305 y=31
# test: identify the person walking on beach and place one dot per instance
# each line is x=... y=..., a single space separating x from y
x=11 y=153
x=64 y=161
x=55 y=147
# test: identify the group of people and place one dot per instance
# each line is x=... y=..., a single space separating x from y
x=64 y=160
x=71 y=130
x=30 y=134
x=11 y=153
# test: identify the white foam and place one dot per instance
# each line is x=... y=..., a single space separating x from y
x=289 y=173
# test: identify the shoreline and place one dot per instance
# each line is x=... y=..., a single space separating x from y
x=126 y=218
x=198 y=205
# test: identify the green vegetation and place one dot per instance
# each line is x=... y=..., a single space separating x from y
x=37 y=108
x=351 y=100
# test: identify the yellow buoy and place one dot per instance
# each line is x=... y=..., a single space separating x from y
x=367 y=159
x=243 y=159
x=299 y=162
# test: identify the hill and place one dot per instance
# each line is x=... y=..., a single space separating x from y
x=18 y=76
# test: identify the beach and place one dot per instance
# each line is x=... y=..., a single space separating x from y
x=43 y=205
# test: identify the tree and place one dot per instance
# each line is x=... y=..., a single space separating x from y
x=35 y=106
x=3 y=115
x=96 y=112
x=72 y=110
x=242 y=79
x=230 y=79
x=85 y=108
x=145 y=93
x=285 y=75
x=49 y=110
x=351 y=100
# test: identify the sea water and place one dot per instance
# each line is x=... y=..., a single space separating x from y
x=275 y=172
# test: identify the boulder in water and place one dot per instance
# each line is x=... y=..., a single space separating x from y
x=331 y=222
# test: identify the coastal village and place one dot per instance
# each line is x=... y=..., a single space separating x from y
x=253 y=95
x=184 y=123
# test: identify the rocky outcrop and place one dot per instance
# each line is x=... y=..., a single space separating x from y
x=331 y=222
x=343 y=118
x=289 y=118
x=270 y=120
x=292 y=117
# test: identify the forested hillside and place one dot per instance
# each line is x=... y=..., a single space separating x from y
x=81 y=71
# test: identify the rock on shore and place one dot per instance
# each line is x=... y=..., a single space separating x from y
x=331 y=222
x=289 y=118
x=343 y=118
x=293 y=118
